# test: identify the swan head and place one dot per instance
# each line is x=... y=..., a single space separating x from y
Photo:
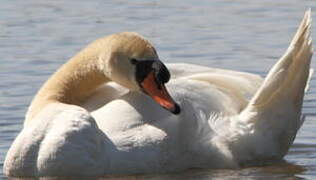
x=132 y=62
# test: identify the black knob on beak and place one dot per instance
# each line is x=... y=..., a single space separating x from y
x=161 y=72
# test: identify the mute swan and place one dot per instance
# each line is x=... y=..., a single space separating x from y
x=78 y=125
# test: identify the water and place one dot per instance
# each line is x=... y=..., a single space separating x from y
x=36 y=37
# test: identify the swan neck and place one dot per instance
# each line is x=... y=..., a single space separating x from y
x=71 y=84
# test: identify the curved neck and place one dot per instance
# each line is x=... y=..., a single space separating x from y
x=71 y=84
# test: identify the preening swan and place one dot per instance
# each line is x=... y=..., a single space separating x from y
x=107 y=111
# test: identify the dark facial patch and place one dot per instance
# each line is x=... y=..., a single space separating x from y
x=134 y=61
x=143 y=68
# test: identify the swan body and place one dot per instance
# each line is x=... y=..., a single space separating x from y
x=228 y=119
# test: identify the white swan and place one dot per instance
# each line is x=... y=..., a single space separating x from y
x=228 y=119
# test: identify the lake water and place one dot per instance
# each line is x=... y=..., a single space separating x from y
x=36 y=37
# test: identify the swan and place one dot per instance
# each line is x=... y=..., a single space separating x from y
x=115 y=108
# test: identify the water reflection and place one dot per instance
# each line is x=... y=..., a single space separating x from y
x=282 y=170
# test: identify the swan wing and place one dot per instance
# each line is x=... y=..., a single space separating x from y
x=60 y=140
x=273 y=115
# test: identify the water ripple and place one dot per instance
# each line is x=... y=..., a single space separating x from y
x=38 y=36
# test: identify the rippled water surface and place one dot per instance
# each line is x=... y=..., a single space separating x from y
x=36 y=37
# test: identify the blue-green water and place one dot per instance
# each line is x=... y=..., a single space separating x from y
x=36 y=37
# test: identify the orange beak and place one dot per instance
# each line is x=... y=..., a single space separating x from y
x=159 y=93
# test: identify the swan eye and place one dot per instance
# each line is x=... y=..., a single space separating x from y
x=134 y=61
